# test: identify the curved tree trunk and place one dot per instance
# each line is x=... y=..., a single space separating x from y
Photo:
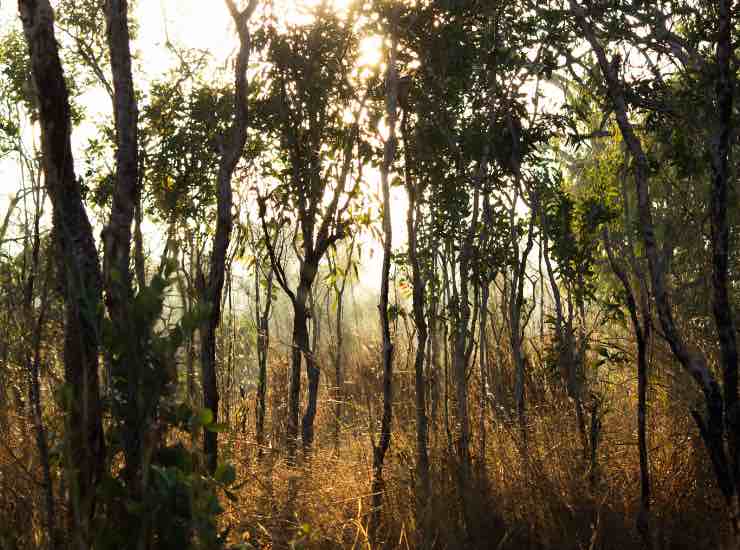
x=231 y=154
x=77 y=260
x=712 y=426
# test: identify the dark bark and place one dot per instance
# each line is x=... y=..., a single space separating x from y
x=483 y=381
x=117 y=274
x=516 y=302
x=300 y=348
x=263 y=346
x=570 y=361
x=232 y=152
x=642 y=335
x=722 y=306
x=78 y=266
x=462 y=341
x=389 y=154
x=33 y=365
x=413 y=217
x=711 y=426
x=312 y=371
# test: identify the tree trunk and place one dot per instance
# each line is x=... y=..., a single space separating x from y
x=77 y=260
x=642 y=335
x=300 y=348
x=263 y=346
x=423 y=490
x=33 y=365
x=231 y=154
x=389 y=155
x=339 y=350
x=722 y=306
x=712 y=426
x=516 y=301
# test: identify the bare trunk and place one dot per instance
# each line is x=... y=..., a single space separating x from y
x=231 y=154
x=711 y=426
x=300 y=348
x=78 y=266
x=642 y=335
x=380 y=449
x=483 y=367
x=263 y=346
x=339 y=350
x=423 y=490
x=33 y=364
x=338 y=370
x=516 y=301
x=722 y=306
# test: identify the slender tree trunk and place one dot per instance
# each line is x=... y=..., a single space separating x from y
x=483 y=366
x=642 y=335
x=77 y=259
x=462 y=347
x=434 y=350
x=516 y=301
x=231 y=154
x=300 y=348
x=423 y=490
x=339 y=350
x=379 y=450
x=338 y=370
x=263 y=346
x=712 y=425
x=33 y=364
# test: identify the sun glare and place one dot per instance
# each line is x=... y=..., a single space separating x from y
x=371 y=51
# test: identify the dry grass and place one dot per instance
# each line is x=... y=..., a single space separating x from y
x=539 y=499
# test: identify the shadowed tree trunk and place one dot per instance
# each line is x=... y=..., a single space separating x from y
x=516 y=302
x=642 y=335
x=77 y=262
x=263 y=347
x=389 y=155
x=231 y=153
x=413 y=219
x=719 y=423
x=128 y=405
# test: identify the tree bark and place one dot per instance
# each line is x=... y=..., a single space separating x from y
x=230 y=156
x=389 y=155
x=423 y=489
x=642 y=335
x=300 y=348
x=77 y=261
x=263 y=346
x=712 y=426
x=722 y=306
x=129 y=409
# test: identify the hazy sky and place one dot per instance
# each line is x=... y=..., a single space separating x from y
x=200 y=24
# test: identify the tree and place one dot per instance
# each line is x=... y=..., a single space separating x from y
x=719 y=428
x=213 y=284
x=77 y=262
x=389 y=156
x=310 y=90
